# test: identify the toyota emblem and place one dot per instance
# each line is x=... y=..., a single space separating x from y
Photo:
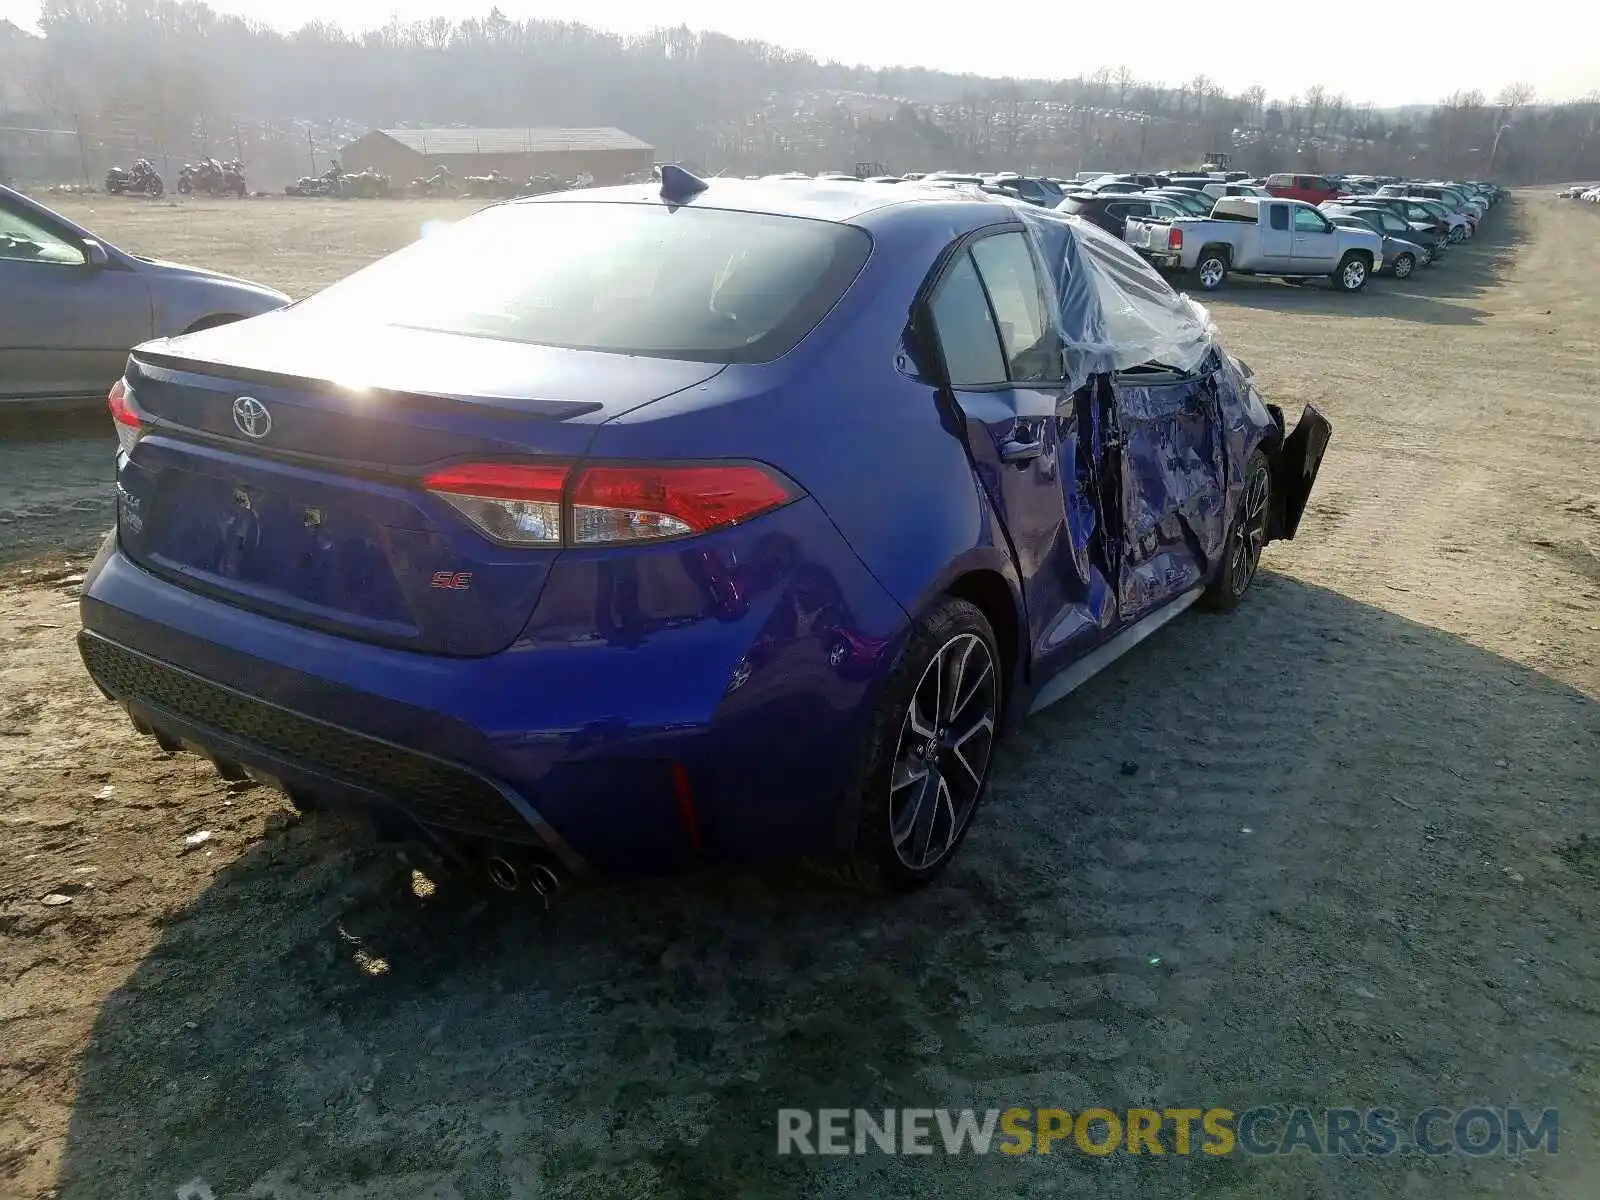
x=252 y=417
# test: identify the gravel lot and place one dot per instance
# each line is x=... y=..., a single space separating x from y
x=1357 y=864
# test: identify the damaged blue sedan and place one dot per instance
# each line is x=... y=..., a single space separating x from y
x=620 y=530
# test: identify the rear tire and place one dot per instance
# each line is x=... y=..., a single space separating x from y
x=929 y=751
x=1247 y=537
x=1211 y=270
x=1352 y=273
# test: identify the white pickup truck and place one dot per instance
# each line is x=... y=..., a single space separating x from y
x=1258 y=235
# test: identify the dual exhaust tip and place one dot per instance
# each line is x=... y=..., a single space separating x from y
x=534 y=875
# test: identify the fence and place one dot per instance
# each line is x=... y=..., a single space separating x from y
x=48 y=150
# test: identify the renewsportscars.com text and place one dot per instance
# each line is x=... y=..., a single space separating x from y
x=1260 y=1131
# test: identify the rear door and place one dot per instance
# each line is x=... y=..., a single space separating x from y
x=1276 y=239
x=66 y=325
x=1392 y=226
x=1034 y=452
x=1316 y=242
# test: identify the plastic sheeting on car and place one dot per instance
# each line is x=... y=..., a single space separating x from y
x=1114 y=311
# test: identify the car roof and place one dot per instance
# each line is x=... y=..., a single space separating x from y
x=840 y=201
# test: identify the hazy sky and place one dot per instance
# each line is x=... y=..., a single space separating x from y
x=1553 y=44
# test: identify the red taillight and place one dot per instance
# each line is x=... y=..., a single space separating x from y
x=1174 y=238
x=502 y=481
x=545 y=505
x=643 y=503
x=124 y=414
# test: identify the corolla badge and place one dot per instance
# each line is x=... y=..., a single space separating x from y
x=251 y=417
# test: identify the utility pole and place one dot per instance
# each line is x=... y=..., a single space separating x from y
x=83 y=153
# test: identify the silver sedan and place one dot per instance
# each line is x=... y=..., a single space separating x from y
x=72 y=305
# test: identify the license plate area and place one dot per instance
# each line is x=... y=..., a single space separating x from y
x=275 y=543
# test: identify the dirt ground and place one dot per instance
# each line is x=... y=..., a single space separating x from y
x=1358 y=862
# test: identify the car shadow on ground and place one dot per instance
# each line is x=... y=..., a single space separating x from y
x=1431 y=296
x=1312 y=853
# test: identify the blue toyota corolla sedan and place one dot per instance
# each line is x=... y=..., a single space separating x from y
x=620 y=530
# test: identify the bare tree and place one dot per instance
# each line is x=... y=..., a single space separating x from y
x=1123 y=78
x=1316 y=97
x=1514 y=96
x=1255 y=98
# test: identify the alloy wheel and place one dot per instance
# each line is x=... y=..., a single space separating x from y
x=1211 y=272
x=942 y=758
x=1249 y=533
x=1402 y=267
x=1355 y=274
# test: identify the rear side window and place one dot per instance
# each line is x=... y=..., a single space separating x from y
x=705 y=284
x=965 y=328
x=1278 y=217
x=1006 y=267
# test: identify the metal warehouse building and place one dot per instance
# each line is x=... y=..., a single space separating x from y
x=610 y=155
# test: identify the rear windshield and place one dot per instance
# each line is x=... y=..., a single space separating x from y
x=710 y=285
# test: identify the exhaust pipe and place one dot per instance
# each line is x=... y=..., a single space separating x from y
x=535 y=874
x=503 y=874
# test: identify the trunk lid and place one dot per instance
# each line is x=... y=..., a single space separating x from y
x=280 y=470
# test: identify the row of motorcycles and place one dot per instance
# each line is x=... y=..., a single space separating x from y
x=495 y=185
x=363 y=185
x=207 y=178
x=210 y=177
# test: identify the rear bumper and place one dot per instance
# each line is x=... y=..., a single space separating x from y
x=1166 y=260
x=722 y=730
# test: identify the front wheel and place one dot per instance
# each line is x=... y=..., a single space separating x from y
x=1246 y=539
x=1352 y=273
x=1404 y=265
x=928 y=751
x=1458 y=234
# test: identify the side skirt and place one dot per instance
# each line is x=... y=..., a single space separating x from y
x=1091 y=664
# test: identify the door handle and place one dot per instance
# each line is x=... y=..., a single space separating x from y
x=1018 y=452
